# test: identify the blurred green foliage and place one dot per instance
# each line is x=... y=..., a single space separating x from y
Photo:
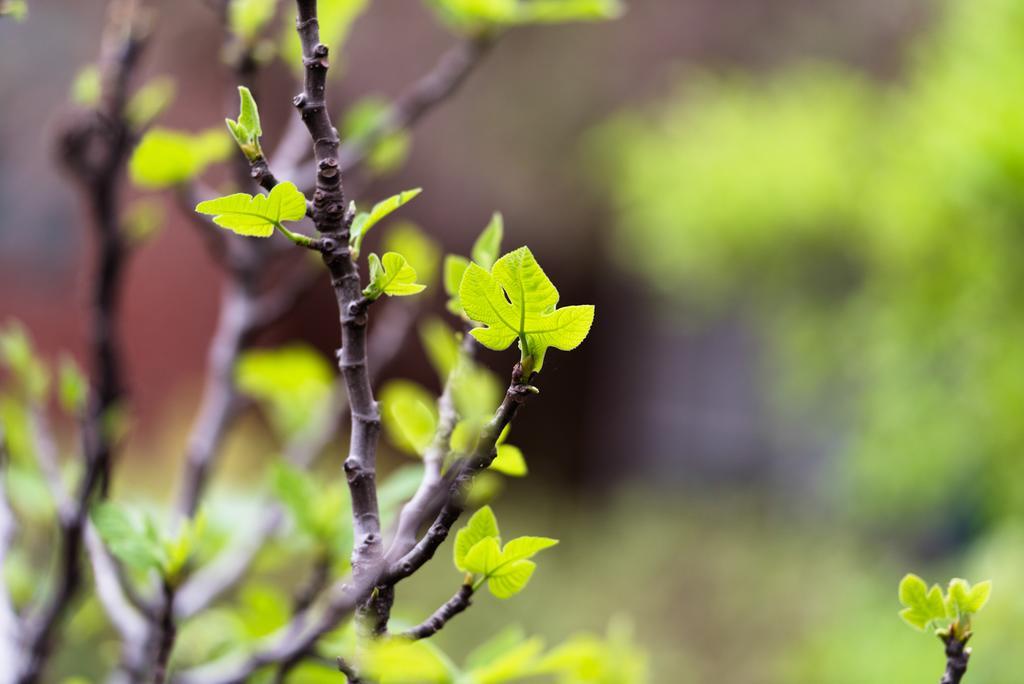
x=875 y=230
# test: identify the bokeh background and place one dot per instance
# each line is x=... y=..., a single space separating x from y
x=802 y=224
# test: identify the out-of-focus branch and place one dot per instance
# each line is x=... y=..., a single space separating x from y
x=94 y=149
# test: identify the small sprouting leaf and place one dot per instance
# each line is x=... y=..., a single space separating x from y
x=364 y=221
x=393 y=276
x=85 y=89
x=150 y=101
x=246 y=18
x=509 y=461
x=517 y=300
x=72 y=386
x=417 y=247
x=409 y=415
x=129 y=542
x=293 y=382
x=256 y=215
x=166 y=158
x=488 y=246
x=482 y=525
x=247 y=130
x=510 y=578
x=522 y=548
x=923 y=605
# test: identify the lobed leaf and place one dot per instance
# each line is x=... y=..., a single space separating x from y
x=256 y=215
x=516 y=299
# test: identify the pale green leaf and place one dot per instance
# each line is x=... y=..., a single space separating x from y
x=259 y=215
x=364 y=221
x=441 y=345
x=166 y=158
x=509 y=461
x=150 y=101
x=126 y=539
x=514 y=663
x=923 y=605
x=510 y=578
x=293 y=383
x=482 y=525
x=391 y=275
x=246 y=18
x=964 y=600
x=483 y=558
x=488 y=246
x=409 y=414
x=517 y=300
x=85 y=89
x=72 y=386
x=400 y=661
x=417 y=247
x=492 y=649
x=454 y=268
x=522 y=548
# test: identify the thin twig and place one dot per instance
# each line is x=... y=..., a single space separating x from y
x=957 y=656
x=459 y=602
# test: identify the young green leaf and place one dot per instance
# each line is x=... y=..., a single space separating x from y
x=517 y=300
x=963 y=600
x=259 y=215
x=85 y=89
x=135 y=547
x=292 y=382
x=483 y=558
x=441 y=345
x=166 y=158
x=509 y=461
x=409 y=414
x=482 y=525
x=150 y=101
x=417 y=247
x=522 y=548
x=72 y=386
x=247 y=130
x=488 y=246
x=364 y=221
x=246 y=18
x=400 y=661
x=454 y=268
x=510 y=578
x=392 y=276
x=923 y=605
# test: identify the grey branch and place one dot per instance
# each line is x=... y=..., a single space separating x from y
x=957 y=655
x=459 y=602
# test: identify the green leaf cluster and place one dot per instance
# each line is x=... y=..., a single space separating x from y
x=928 y=608
x=259 y=215
x=506 y=570
x=292 y=383
x=516 y=300
x=246 y=130
x=364 y=220
x=166 y=158
x=138 y=543
x=477 y=16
